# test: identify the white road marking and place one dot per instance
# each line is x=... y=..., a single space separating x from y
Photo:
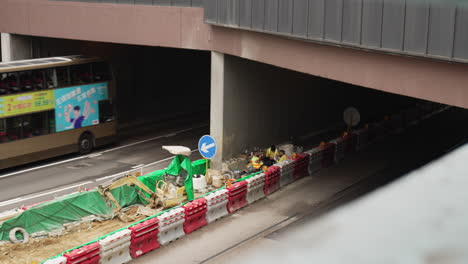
x=105 y=151
x=138 y=166
x=41 y=167
x=43 y=194
x=4 y=203
x=95 y=155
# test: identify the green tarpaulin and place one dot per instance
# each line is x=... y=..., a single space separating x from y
x=178 y=164
x=52 y=215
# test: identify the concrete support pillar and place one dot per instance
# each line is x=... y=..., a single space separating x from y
x=217 y=105
x=257 y=105
x=15 y=47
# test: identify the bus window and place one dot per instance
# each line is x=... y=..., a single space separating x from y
x=26 y=126
x=13 y=84
x=81 y=74
x=40 y=123
x=38 y=79
x=57 y=77
x=62 y=76
x=4 y=87
x=13 y=128
x=51 y=121
x=101 y=71
x=51 y=79
x=26 y=81
x=3 y=133
x=106 y=111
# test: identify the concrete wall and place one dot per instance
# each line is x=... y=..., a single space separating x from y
x=15 y=47
x=255 y=104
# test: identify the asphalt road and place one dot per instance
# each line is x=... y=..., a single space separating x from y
x=267 y=223
x=137 y=146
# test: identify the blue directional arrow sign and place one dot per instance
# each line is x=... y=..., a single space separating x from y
x=207 y=147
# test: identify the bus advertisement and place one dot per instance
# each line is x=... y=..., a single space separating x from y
x=78 y=106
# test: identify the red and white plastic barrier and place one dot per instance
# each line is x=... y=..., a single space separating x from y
x=237 y=195
x=89 y=254
x=328 y=155
x=57 y=260
x=377 y=131
x=315 y=160
x=115 y=249
x=272 y=180
x=286 y=171
x=339 y=149
x=362 y=138
x=195 y=215
x=217 y=205
x=301 y=166
x=350 y=142
x=144 y=237
x=255 y=187
x=171 y=225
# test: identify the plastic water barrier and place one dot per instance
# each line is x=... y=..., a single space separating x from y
x=286 y=172
x=350 y=142
x=144 y=237
x=57 y=260
x=377 y=131
x=237 y=196
x=362 y=136
x=339 y=149
x=171 y=225
x=255 y=187
x=195 y=215
x=272 y=180
x=301 y=166
x=315 y=160
x=217 y=205
x=328 y=155
x=89 y=254
x=115 y=249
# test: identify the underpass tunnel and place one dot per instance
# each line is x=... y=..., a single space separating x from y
x=257 y=105
x=153 y=83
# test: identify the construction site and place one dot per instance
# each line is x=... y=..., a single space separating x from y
x=298 y=131
x=140 y=213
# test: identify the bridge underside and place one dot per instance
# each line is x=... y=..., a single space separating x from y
x=183 y=27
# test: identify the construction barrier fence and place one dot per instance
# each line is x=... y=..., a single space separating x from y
x=158 y=230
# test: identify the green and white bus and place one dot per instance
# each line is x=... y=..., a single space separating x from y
x=54 y=106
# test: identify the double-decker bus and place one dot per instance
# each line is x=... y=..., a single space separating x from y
x=54 y=106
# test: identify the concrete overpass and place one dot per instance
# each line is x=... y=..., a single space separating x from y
x=412 y=48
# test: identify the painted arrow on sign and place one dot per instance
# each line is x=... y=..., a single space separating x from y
x=206 y=148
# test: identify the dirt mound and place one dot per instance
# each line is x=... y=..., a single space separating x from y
x=39 y=249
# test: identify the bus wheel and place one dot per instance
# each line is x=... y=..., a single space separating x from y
x=85 y=144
